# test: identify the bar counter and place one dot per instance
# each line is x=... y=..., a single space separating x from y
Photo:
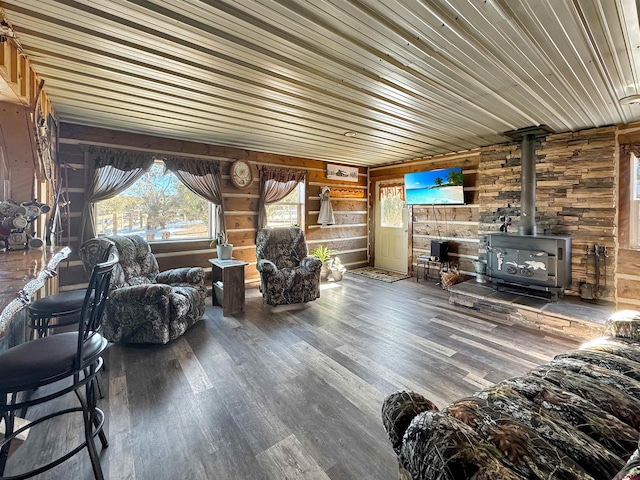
x=22 y=273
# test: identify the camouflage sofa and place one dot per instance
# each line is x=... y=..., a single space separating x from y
x=146 y=305
x=575 y=417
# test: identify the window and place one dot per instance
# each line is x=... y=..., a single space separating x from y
x=634 y=217
x=391 y=203
x=288 y=211
x=159 y=207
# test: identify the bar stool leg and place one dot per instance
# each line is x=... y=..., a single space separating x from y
x=100 y=394
x=7 y=418
x=91 y=395
x=88 y=403
x=101 y=434
x=27 y=397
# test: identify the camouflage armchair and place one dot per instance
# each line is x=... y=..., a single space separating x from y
x=575 y=417
x=145 y=305
x=287 y=273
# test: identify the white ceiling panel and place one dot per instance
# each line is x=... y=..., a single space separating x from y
x=412 y=78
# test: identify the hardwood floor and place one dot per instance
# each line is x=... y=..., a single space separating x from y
x=289 y=394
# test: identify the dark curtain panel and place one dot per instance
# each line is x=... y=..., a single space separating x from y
x=275 y=184
x=110 y=171
x=203 y=178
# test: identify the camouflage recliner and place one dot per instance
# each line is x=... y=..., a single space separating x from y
x=288 y=274
x=575 y=417
x=146 y=305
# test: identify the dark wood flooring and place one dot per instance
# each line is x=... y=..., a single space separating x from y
x=289 y=394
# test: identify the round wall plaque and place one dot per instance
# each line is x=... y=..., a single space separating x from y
x=241 y=174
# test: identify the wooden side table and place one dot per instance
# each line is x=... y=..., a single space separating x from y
x=231 y=274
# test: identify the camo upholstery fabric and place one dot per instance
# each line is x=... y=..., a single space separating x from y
x=575 y=417
x=631 y=470
x=625 y=324
x=615 y=435
x=146 y=306
x=398 y=411
x=288 y=274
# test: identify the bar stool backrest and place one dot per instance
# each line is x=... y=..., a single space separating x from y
x=94 y=302
x=94 y=251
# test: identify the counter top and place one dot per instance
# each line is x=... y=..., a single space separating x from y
x=19 y=268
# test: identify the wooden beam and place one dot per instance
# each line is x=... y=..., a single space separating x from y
x=17 y=75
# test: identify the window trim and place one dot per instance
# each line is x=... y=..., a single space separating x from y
x=634 y=204
x=301 y=205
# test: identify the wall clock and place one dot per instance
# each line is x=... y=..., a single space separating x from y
x=241 y=174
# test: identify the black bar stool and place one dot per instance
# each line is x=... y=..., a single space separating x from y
x=65 y=307
x=76 y=356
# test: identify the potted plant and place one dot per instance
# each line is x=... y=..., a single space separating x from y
x=324 y=254
x=337 y=269
x=223 y=248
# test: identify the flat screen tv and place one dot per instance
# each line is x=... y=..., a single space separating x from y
x=437 y=187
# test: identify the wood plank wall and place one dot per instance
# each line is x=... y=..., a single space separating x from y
x=19 y=153
x=456 y=223
x=348 y=237
x=20 y=78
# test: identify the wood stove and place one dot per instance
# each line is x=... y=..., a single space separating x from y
x=538 y=262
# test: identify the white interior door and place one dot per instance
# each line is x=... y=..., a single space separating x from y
x=391 y=231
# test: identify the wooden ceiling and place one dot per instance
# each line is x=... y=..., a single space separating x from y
x=412 y=78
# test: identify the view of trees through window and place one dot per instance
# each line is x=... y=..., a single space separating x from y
x=158 y=206
x=288 y=211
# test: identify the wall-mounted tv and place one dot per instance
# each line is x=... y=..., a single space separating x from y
x=439 y=187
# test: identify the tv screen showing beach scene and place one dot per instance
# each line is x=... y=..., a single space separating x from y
x=440 y=187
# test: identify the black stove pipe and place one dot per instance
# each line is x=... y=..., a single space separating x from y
x=527 y=223
x=528 y=136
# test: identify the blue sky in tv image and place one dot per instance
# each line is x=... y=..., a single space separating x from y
x=434 y=187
